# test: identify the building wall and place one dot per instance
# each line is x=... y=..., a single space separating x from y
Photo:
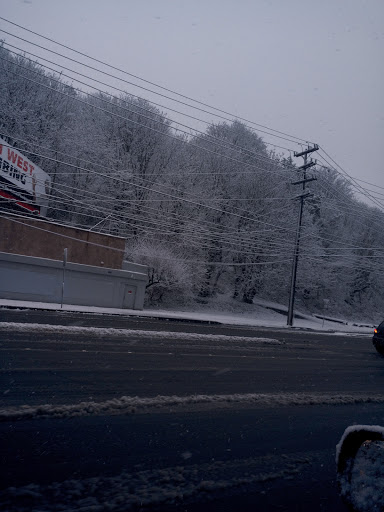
x=36 y=237
x=39 y=279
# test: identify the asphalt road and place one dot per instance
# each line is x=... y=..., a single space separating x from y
x=208 y=455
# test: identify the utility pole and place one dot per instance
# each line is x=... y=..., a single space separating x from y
x=302 y=197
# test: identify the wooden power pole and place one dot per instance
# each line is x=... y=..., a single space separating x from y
x=301 y=197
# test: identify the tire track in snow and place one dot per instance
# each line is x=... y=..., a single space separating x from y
x=157 y=487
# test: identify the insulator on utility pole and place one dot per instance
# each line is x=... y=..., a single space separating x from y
x=302 y=197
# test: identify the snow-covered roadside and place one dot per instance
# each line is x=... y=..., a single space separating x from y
x=135 y=404
x=262 y=317
x=125 y=333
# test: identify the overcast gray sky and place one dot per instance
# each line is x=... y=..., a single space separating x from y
x=306 y=67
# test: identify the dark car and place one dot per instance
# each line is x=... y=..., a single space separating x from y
x=378 y=339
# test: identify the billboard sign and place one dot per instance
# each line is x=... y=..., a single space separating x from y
x=23 y=177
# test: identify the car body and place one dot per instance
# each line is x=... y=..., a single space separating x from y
x=378 y=339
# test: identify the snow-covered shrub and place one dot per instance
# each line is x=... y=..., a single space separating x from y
x=169 y=276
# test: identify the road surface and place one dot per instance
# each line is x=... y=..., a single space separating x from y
x=248 y=422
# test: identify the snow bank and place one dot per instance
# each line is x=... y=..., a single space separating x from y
x=356 y=428
x=101 y=332
x=132 y=404
x=367 y=481
x=361 y=467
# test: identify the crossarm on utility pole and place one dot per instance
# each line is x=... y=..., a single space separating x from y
x=306 y=152
x=303 y=181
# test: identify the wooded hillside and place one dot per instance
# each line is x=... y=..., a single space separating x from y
x=209 y=212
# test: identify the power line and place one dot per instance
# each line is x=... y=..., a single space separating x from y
x=124 y=92
x=203 y=136
x=346 y=206
x=171 y=259
x=243 y=264
x=41 y=84
x=351 y=179
x=177 y=199
x=211 y=199
x=376 y=268
x=160 y=226
x=158 y=192
x=154 y=191
x=146 y=126
x=368 y=183
x=223 y=240
x=98 y=165
x=260 y=234
x=207 y=235
x=135 y=85
x=4 y=19
x=146 y=81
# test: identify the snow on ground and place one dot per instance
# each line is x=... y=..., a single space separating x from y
x=134 y=404
x=361 y=473
x=357 y=428
x=124 y=333
x=153 y=488
x=367 y=479
x=258 y=316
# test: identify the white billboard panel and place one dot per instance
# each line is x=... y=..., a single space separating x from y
x=23 y=176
